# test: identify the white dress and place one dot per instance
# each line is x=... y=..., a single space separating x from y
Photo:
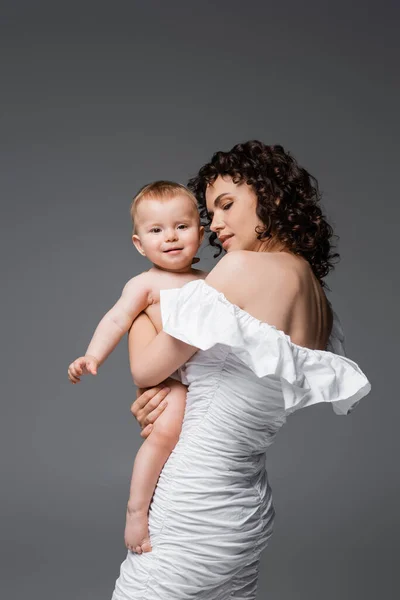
x=212 y=511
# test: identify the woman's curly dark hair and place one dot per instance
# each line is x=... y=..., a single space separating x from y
x=287 y=200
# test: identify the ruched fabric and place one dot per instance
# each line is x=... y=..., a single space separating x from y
x=212 y=512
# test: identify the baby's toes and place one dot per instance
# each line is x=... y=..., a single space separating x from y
x=138 y=549
x=146 y=546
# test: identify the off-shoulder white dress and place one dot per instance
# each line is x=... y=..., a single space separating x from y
x=212 y=511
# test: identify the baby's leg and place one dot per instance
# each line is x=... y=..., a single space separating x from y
x=148 y=464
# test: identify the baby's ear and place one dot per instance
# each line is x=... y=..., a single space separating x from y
x=201 y=234
x=138 y=244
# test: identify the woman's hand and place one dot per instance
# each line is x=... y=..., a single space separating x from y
x=148 y=406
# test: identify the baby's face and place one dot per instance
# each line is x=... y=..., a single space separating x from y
x=168 y=232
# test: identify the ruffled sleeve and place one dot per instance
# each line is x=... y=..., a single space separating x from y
x=201 y=316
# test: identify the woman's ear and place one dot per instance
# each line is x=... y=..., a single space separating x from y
x=138 y=244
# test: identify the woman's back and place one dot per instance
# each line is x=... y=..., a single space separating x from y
x=278 y=288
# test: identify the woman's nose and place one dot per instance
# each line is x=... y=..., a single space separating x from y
x=216 y=223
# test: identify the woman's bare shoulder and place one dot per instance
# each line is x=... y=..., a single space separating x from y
x=240 y=273
x=230 y=266
x=243 y=262
x=277 y=288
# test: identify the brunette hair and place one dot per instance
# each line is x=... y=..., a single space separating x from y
x=287 y=200
x=160 y=190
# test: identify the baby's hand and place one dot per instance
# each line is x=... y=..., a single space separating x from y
x=84 y=365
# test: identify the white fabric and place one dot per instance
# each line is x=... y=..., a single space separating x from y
x=212 y=512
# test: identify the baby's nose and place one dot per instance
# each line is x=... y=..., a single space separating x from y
x=170 y=235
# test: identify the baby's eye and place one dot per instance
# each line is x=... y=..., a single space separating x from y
x=182 y=226
x=227 y=206
x=155 y=230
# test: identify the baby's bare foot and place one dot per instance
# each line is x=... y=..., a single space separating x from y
x=137 y=537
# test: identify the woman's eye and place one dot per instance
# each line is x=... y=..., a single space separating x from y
x=227 y=206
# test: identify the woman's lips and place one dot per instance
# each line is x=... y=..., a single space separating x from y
x=226 y=241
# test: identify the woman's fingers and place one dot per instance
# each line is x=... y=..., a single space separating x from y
x=147 y=403
x=146 y=431
x=149 y=400
x=144 y=398
x=154 y=414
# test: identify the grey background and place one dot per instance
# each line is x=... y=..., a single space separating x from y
x=98 y=99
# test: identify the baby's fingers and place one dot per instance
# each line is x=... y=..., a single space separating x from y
x=91 y=367
x=72 y=376
x=75 y=369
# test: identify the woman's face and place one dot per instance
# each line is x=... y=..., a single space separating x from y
x=232 y=208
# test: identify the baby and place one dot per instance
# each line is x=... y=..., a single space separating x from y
x=167 y=230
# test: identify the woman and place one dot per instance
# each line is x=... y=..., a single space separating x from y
x=258 y=340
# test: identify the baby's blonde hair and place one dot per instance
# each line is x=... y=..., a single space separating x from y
x=161 y=190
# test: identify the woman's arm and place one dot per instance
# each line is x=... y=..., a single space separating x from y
x=164 y=354
x=159 y=360
x=154 y=357
x=149 y=403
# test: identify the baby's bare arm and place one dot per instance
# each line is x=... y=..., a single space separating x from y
x=135 y=297
x=116 y=322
